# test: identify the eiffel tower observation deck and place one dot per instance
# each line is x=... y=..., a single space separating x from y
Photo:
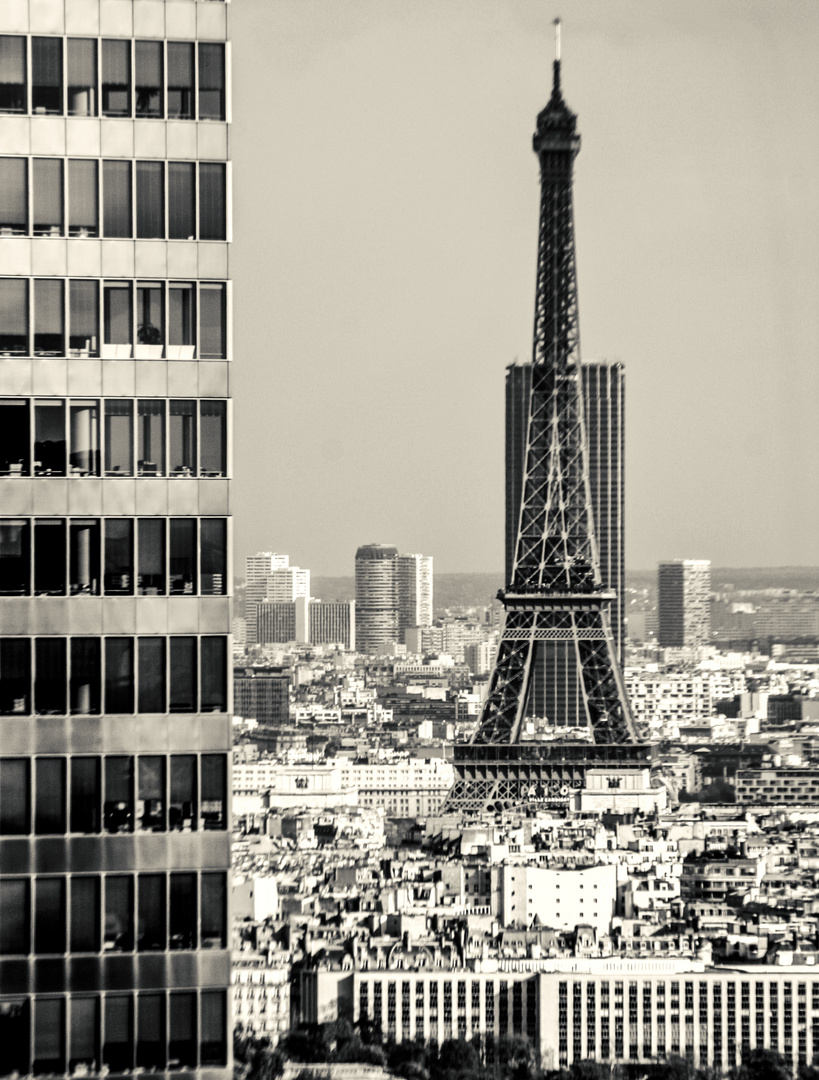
x=556 y=601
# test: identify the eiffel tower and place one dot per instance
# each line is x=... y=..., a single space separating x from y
x=555 y=598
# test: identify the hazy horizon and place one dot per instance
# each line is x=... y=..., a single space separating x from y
x=385 y=227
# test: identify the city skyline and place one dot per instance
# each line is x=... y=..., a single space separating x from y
x=410 y=263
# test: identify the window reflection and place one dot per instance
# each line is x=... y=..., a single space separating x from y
x=119 y=419
x=15 y=556
x=119 y=925
x=151 y=556
x=82 y=77
x=119 y=557
x=118 y=808
x=116 y=78
x=182 y=438
x=49 y=318
x=14 y=437
x=84 y=458
x=151 y=798
x=12 y=74
x=148 y=78
x=13 y=196
x=48 y=196
x=49 y=438
x=47 y=75
x=150 y=314
x=84 y=557
x=13 y=316
x=151 y=437
x=84 y=321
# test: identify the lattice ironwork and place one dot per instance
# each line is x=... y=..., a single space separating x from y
x=556 y=593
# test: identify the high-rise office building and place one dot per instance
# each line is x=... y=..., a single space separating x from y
x=287 y=584
x=258 y=569
x=414 y=592
x=393 y=595
x=115 y=601
x=376 y=598
x=332 y=623
x=555 y=691
x=684 y=603
x=306 y=621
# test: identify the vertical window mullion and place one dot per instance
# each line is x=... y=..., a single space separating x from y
x=66 y=558
x=64 y=111
x=30 y=328
x=103 y=654
x=197 y=321
x=29 y=92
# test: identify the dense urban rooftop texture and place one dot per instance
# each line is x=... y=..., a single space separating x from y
x=351 y=883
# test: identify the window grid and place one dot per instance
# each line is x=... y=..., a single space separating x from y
x=158 y=675
x=117 y=913
x=87 y=795
x=82 y=437
x=91 y=556
x=90 y=93
x=106 y=314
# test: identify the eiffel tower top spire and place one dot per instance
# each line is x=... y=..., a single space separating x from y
x=556 y=119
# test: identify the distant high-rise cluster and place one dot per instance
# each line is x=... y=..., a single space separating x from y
x=684 y=603
x=270 y=577
x=393 y=594
x=280 y=609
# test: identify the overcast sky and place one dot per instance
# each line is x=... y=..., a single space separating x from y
x=385 y=231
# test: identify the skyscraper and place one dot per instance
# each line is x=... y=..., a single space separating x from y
x=684 y=603
x=393 y=594
x=258 y=568
x=414 y=589
x=376 y=597
x=288 y=583
x=114 y=537
x=555 y=690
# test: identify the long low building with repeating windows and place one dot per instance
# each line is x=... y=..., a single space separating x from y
x=607 y=1010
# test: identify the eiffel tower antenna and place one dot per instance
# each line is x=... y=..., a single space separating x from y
x=556 y=600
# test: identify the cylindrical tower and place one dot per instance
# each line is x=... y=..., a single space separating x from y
x=376 y=597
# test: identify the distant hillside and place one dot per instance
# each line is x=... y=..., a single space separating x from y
x=473 y=590
x=803 y=578
x=451 y=590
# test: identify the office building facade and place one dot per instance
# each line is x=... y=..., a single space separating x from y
x=376 y=597
x=393 y=595
x=332 y=623
x=684 y=603
x=555 y=690
x=263 y=696
x=258 y=569
x=414 y=587
x=115 y=592
x=306 y=622
x=627 y=1012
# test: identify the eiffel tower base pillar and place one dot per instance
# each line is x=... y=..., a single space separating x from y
x=491 y=778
